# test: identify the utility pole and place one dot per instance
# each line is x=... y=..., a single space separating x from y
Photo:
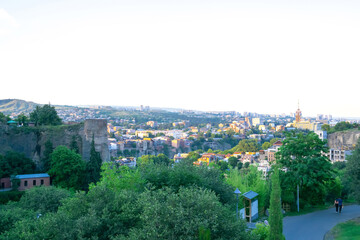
x=298 y=200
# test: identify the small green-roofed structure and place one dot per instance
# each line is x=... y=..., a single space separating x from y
x=12 y=123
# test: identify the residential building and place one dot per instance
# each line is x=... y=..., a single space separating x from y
x=338 y=155
x=5 y=183
x=28 y=181
x=322 y=134
x=256 y=121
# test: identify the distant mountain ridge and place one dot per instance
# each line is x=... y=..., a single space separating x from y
x=16 y=106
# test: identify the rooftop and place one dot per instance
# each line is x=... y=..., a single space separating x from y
x=250 y=195
x=36 y=175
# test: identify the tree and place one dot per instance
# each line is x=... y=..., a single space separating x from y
x=342 y=126
x=67 y=168
x=246 y=145
x=14 y=163
x=117 y=178
x=3 y=118
x=22 y=119
x=275 y=214
x=45 y=115
x=161 y=159
x=265 y=145
x=93 y=166
x=325 y=127
x=223 y=165
x=180 y=215
x=353 y=172
x=233 y=161
x=306 y=165
x=43 y=199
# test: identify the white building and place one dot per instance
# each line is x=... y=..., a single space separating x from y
x=322 y=134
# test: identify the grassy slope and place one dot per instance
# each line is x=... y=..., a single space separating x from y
x=349 y=230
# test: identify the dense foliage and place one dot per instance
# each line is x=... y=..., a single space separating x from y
x=306 y=165
x=340 y=126
x=153 y=202
x=13 y=163
x=67 y=168
x=246 y=145
x=45 y=115
x=353 y=172
x=275 y=211
x=248 y=179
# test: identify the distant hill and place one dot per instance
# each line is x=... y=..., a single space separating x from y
x=16 y=106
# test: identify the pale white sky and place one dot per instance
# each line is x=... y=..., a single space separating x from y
x=254 y=56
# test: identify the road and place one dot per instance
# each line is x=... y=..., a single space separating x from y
x=313 y=226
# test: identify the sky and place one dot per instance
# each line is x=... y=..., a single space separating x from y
x=213 y=55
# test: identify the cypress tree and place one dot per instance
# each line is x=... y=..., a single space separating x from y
x=93 y=167
x=275 y=218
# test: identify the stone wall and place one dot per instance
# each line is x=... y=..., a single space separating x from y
x=343 y=140
x=31 y=141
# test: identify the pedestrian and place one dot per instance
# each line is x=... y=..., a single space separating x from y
x=340 y=203
x=336 y=203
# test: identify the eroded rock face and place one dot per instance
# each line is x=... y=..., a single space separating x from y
x=343 y=140
x=31 y=141
x=96 y=128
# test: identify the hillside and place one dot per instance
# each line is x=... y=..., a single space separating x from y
x=16 y=106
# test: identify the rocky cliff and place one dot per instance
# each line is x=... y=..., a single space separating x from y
x=343 y=140
x=31 y=140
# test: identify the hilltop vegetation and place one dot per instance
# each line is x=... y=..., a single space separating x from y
x=16 y=106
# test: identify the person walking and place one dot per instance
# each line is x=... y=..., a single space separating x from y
x=336 y=203
x=340 y=203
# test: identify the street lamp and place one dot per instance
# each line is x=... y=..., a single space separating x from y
x=237 y=192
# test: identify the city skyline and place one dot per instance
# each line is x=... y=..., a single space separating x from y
x=244 y=56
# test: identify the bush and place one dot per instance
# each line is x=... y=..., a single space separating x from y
x=5 y=197
x=43 y=199
x=261 y=231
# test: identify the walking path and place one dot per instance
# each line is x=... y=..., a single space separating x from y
x=313 y=226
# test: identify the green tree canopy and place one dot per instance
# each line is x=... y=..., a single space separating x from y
x=353 y=172
x=45 y=115
x=326 y=127
x=67 y=168
x=180 y=215
x=14 y=163
x=233 y=161
x=302 y=155
x=22 y=119
x=3 y=118
x=43 y=199
x=265 y=145
x=247 y=145
x=149 y=159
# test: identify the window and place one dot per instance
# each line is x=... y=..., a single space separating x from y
x=42 y=181
x=25 y=183
x=34 y=182
x=2 y=185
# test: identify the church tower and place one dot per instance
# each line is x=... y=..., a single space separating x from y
x=298 y=114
